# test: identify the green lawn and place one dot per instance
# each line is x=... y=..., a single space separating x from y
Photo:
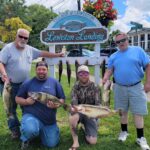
x=107 y=133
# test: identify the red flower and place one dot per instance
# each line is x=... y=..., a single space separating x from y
x=102 y=9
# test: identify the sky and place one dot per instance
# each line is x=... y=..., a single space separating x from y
x=128 y=10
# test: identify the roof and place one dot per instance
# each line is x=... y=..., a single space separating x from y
x=142 y=30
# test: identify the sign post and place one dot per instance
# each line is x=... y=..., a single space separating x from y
x=75 y=27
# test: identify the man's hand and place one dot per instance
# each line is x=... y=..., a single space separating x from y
x=74 y=109
x=52 y=105
x=30 y=101
x=61 y=54
x=147 y=87
x=5 y=78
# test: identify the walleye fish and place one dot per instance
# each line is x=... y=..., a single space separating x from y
x=76 y=68
x=68 y=71
x=60 y=65
x=106 y=93
x=93 y=111
x=45 y=97
x=7 y=99
x=86 y=63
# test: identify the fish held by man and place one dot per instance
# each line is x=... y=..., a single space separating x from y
x=93 y=111
x=45 y=97
x=7 y=99
x=106 y=93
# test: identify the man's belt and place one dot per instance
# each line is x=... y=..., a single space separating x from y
x=130 y=84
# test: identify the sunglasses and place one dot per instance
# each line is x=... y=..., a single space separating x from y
x=23 y=37
x=81 y=74
x=121 y=41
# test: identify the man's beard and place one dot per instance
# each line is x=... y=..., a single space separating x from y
x=43 y=77
x=22 y=45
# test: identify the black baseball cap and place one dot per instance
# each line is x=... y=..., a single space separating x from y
x=41 y=63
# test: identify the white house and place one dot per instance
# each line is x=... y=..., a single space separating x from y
x=140 y=37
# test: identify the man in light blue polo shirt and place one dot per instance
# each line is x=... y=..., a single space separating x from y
x=15 y=65
x=127 y=66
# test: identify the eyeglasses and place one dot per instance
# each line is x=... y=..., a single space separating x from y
x=23 y=37
x=121 y=41
x=83 y=73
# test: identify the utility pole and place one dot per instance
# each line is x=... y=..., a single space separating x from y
x=79 y=4
x=79 y=9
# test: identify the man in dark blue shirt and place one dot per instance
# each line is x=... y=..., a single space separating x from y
x=39 y=119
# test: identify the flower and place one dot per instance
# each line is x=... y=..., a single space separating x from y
x=102 y=9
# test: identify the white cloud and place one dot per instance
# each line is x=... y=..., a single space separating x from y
x=137 y=11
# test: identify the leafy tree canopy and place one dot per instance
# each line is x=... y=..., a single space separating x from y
x=10 y=27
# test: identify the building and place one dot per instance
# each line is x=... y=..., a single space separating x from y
x=139 y=36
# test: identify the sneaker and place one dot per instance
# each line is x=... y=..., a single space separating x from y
x=142 y=143
x=24 y=145
x=123 y=136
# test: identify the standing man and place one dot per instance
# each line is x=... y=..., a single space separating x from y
x=39 y=119
x=15 y=65
x=84 y=92
x=127 y=66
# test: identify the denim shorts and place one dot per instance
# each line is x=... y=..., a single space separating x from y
x=131 y=98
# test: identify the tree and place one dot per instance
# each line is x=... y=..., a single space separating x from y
x=38 y=17
x=9 y=28
x=12 y=8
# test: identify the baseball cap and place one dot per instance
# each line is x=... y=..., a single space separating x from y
x=83 y=68
x=41 y=63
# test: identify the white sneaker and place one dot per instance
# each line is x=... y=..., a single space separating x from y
x=123 y=136
x=142 y=143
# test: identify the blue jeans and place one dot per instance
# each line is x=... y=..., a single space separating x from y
x=32 y=127
x=13 y=123
x=1 y=88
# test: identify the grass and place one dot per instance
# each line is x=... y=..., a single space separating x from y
x=107 y=132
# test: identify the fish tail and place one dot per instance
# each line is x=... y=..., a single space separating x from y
x=66 y=107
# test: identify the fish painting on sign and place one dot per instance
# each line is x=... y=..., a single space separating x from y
x=73 y=26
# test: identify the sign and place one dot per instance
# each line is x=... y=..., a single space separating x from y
x=74 y=27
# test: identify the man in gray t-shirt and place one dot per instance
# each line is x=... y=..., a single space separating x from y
x=15 y=65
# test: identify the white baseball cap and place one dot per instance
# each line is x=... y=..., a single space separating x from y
x=83 y=68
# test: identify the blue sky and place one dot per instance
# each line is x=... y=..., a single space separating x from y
x=128 y=10
x=120 y=6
